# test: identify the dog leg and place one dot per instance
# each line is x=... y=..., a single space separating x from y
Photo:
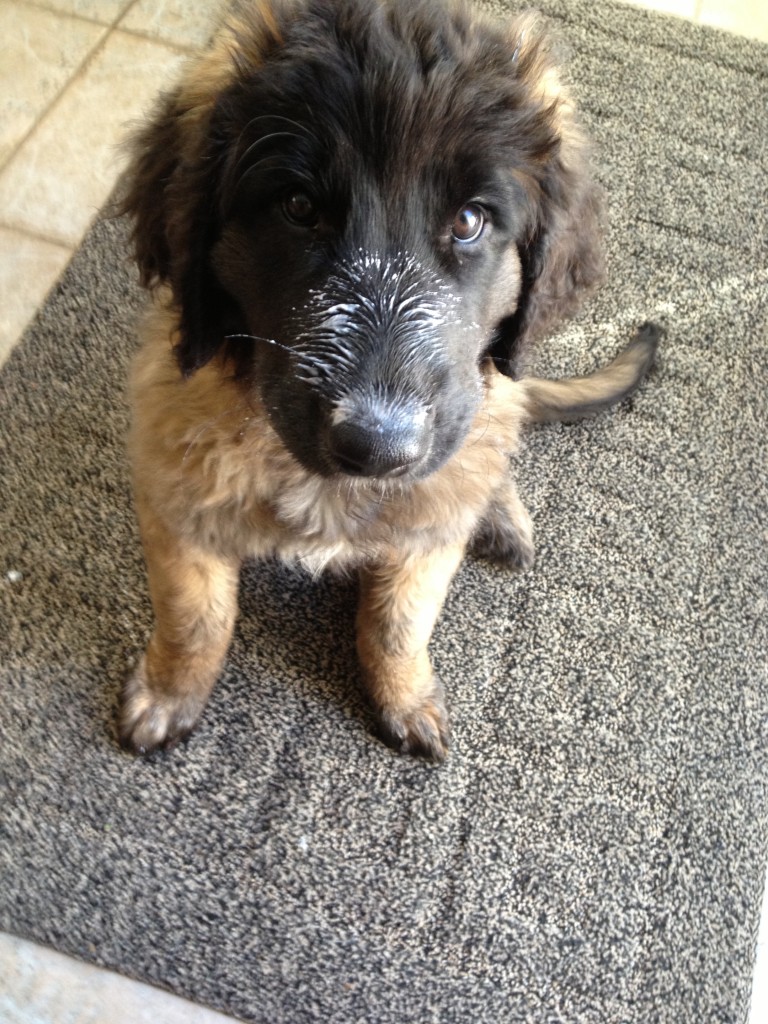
x=194 y=595
x=505 y=536
x=399 y=604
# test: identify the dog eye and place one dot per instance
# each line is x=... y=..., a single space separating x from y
x=298 y=208
x=469 y=223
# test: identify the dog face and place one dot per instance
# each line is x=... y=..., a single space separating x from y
x=357 y=202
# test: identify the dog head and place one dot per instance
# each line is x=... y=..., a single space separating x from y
x=357 y=201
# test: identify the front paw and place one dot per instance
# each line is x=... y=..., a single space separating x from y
x=422 y=730
x=150 y=719
x=505 y=540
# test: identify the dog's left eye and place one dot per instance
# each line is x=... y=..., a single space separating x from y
x=299 y=209
x=469 y=223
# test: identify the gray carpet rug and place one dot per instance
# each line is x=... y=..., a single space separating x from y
x=594 y=849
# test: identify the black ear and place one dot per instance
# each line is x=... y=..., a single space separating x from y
x=170 y=191
x=207 y=314
x=154 y=156
x=562 y=253
x=172 y=183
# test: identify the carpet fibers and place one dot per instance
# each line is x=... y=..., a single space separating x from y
x=594 y=848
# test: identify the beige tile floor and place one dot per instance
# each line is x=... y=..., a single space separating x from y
x=73 y=73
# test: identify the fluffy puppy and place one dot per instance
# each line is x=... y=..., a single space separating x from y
x=355 y=216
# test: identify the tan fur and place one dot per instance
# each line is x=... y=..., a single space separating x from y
x=399 y=604
x=194 y=595
x=243 y=36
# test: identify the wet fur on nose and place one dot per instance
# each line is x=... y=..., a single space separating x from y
x=374 y=347
x=375 y=325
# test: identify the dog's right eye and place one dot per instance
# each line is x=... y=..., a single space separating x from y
x=469 y=223
x=298 y=208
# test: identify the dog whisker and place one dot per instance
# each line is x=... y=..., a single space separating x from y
x=296 y=127
x=322 y=359
x=271 y=166
x=261 y=142
x=258 y=337
x=309 y=367
x=280 y=119
x=294 y=130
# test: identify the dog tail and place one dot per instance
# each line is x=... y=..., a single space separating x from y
x=550 y=401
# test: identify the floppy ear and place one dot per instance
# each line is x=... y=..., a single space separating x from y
x=562 y=253
x=172 y=183
x=169 y=190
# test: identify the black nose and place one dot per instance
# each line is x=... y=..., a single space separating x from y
x=379 y=439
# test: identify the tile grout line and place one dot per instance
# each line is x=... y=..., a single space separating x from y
x=76 y=75
x=80 y=70
x=51 y=105
x=180 y=48
x=107 y=30
x=70 y=249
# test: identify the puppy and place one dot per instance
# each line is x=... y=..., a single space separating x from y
x=355 y=215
